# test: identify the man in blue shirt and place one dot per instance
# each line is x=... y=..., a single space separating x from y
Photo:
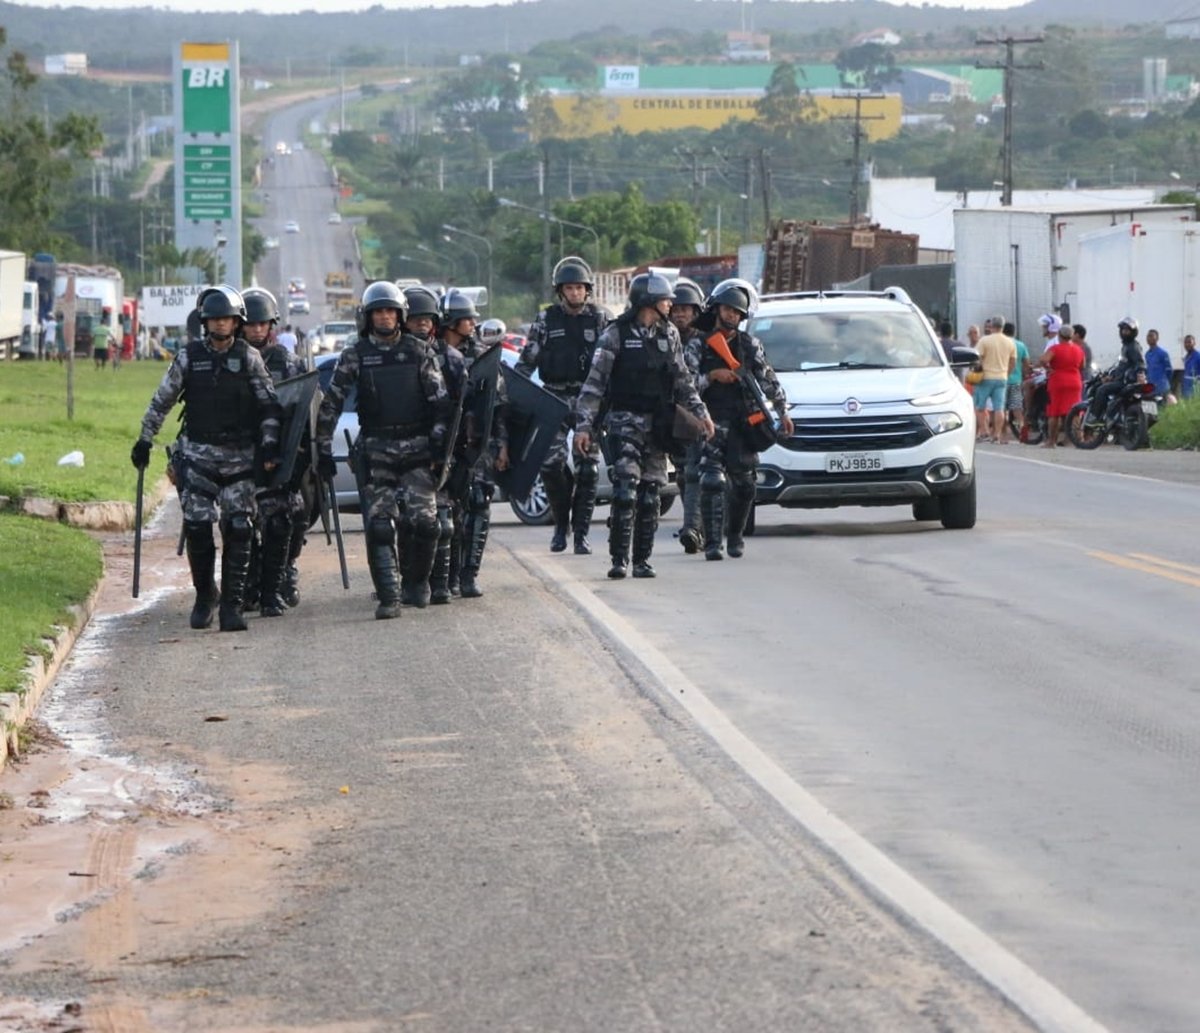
x=1158 y=364
x=1191 y=366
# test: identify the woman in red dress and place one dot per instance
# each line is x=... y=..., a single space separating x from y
x=1064 y=359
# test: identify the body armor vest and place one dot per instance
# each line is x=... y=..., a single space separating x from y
x=724 y=401
x=220 y=407
x=566 y=354
x=391 y=397
x=642 y=377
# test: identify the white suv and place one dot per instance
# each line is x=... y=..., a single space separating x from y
x=881 y=418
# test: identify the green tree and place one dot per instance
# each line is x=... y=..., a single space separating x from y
x=783 y=105
x=868 y=66
x=36 y=158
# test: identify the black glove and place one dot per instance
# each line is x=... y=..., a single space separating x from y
x=140 y=456
x=326 y=467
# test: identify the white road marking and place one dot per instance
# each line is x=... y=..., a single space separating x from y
x=1042 y=1002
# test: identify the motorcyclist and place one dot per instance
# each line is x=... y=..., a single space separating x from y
x=1130 y=367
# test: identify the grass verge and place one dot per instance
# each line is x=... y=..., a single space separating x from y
x=108 y=415
x=45 y=568
x=1178 y=426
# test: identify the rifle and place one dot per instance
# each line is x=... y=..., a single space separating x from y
x=137 y=532
x=764 y=431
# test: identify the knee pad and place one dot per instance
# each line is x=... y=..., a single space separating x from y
x=422 y=525
x=381 y=531
x=647 y=498
x=587 y=473
x=712 y=479
x=623 y=494
x=237 y=528
x=743 y=487
x=278 y=525
x=480 y=497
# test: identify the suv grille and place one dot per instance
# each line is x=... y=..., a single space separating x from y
x=858 y=434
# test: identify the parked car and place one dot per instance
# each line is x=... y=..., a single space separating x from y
x=880 y=417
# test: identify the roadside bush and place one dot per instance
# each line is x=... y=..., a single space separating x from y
x=1178 y=426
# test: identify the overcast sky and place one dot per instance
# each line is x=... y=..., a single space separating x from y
x=293 y=6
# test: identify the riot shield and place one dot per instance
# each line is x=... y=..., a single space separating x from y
x=534 y=417
x=484 y=377
x=298 y=399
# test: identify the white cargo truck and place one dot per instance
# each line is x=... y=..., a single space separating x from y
x=12 y=302
x=1146 y=270
x=1022 y=262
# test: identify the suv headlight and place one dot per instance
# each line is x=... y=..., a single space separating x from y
x=940 y=422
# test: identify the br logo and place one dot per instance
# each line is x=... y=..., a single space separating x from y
x=201 y=78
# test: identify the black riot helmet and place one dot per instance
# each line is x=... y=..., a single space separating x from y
x=216 y=302
x=261 y=306
x=381 y=294
x=457 y=305
x=737 y=294
x=422 y=302
x=572 y=269
x=648 y=289
x=688 y=292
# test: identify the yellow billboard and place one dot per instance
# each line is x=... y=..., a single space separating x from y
x=582 y=114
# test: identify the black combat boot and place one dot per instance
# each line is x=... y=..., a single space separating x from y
x=418 y=562
x=456 y=549
x=740 y=505
x=644 y=527
x=273 y=551
x=202 y=558
x=712 y=508
x=254 y=577
x=559 y=483
x=583 y=504
x=620 y=530
x=236 y=539
x=291 y=576
x=476 y=535
x=381 y=560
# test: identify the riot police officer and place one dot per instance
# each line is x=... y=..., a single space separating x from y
x=560 y=346
x=482 y=450
x=402 y=412
x=687 y=301
x=230 y=409
x=729 y=458
x=281 y=511
x=639 y=371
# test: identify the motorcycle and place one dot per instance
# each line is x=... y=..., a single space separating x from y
x=1130 y=415
x=1036 y=423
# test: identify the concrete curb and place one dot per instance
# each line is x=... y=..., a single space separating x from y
x=16 y=708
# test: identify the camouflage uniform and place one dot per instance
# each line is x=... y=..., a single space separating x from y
x=727 y=463
x=396 y=455
x=216 y=466
x=639 y=428
x=283 y=512
x=454 y=371
x=479 y=447
x=559 y=348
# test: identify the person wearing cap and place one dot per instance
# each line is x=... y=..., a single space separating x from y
x=639 y=375
x=998 y=357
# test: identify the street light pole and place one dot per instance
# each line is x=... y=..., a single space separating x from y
x=466 y=249
x=486 y=243
x=550 y=217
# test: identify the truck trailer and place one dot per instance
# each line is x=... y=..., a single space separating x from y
x=12 y=302
x=1022 y=262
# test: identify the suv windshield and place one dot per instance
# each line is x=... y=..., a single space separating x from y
x=800 y=341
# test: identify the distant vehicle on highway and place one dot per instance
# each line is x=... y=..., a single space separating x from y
x=298 y=304
x=271 y=243
x=333 y=335
x=335 y=217
x=296 y=285
x=291 y=226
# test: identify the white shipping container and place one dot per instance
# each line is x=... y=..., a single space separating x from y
x=1146 y=270
x=12 y=299
x=1022 y=262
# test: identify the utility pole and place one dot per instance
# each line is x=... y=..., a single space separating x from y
x=858 y=118
x=746 y=196
x=764 y=175
x=1008 y=66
